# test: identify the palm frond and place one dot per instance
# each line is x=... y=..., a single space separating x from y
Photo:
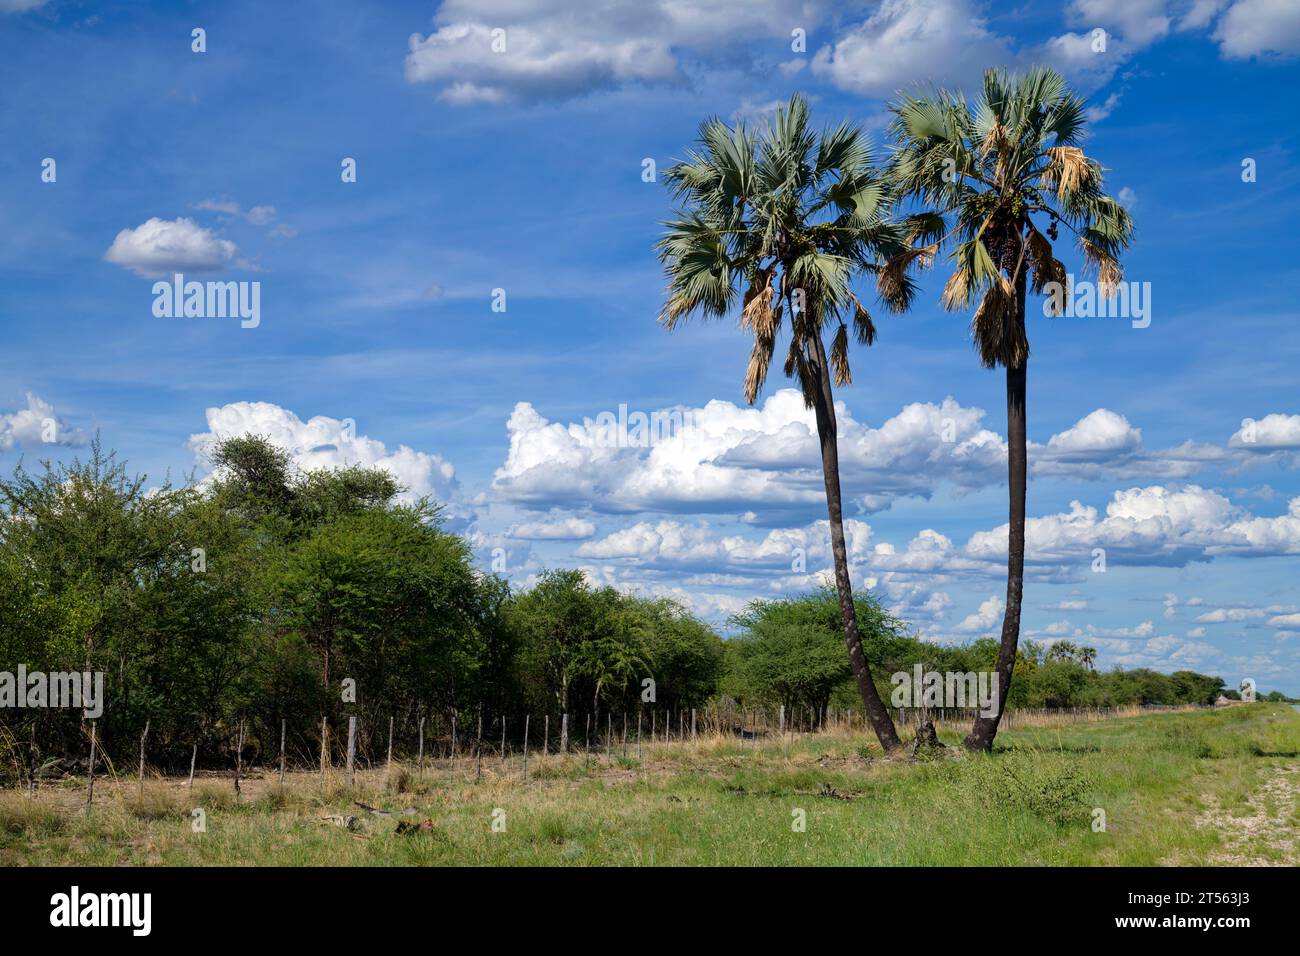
x=1046 y=267
x=974 y=272
x=783 y=213
x=981 y=174
x=997 y=331
x=1109 y=272
x=1068 y=170
x=863 y=328
x=840 y=357
x=760 y=357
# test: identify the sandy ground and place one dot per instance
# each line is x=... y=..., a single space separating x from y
x=1269 y=824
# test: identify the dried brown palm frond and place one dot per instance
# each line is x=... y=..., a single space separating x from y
x=675 y=306
x=760 y=357
x=956 y=291
x=1109 y=272
x=1046 y=267
x=758 y=306
x=1109 y=276
x=863 y=328
x=925 y=225
x=798 y=367
x=996 y=138
x=996 y=141
x=891 y=279
x=793 y=359
x=998 y=333
x=1067 y=170
x=840 y=357
x=776 y=322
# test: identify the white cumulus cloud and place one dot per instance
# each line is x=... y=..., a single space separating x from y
x=559 y=529
x=908 y=41
x=495 y=51
x=1273 y=432
x=764 y=461
x=160 y=246
x=1259 y=28
x=37 y=424
x=986 y=618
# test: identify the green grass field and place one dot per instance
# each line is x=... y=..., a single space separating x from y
x=1205 y=787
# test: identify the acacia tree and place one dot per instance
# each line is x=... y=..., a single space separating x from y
x=789 y=216
x=987 y=175
x=556 y=621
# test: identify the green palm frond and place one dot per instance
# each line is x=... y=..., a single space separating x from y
x=781 y=222
x=981 y=173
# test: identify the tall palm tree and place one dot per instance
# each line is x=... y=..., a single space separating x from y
x=1063 y=651
x=782 y=220
x=987 y=176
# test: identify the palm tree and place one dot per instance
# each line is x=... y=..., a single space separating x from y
x=789 y=216
x=1087 y=655
x=987 y=176
x=1063 y=651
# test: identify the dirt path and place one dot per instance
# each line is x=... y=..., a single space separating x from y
x=1268 y=826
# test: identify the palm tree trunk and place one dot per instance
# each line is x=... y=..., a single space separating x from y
x=986 y=728
x=827 y=436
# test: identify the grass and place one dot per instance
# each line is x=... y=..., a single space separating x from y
x=1188 y=788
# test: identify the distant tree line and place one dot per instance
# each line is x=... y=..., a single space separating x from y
x=261 y=594
x=792 y=651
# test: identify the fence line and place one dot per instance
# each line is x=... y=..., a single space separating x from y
x=715 y=723
x=719 y=722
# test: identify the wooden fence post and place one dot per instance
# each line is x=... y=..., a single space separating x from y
x=194 y=754
x=324 y=743
x=638 y=734
x=283 y=723
x=90 y=788
x=546 y=736
x=239 y=757
x=609 y=733
x=420 y=758
x=388 y=770
x=31 y=777
x=352 y=750
x=694 y=736
x=478 y=745
x=783 y=720
x=143 y=737
x=527 y=718
x=503 y=740
x=564 y=733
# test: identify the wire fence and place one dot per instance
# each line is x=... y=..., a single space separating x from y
x=606 y=736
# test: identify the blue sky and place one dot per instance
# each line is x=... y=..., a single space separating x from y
x=521 y=170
